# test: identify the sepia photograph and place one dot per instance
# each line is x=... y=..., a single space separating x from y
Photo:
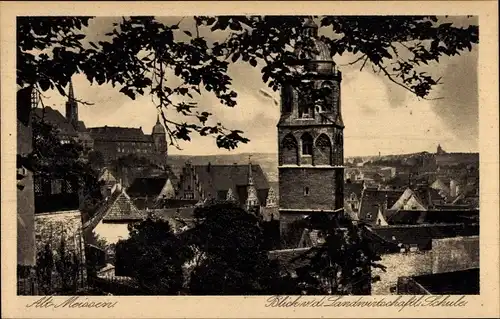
x=113 y=200
x=283 y=156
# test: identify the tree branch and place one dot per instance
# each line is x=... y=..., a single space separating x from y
x=389 y=76
x=355 y=61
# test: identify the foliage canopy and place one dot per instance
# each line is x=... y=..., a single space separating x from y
x=142 y=54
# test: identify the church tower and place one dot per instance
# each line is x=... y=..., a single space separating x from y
x=160 y=140
x=72 y=107
x=310 y=136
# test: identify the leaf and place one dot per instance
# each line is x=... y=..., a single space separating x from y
x=188 y=33
x=235 y=57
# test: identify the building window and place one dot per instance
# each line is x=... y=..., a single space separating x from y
x=306 y=191
x=307 y=144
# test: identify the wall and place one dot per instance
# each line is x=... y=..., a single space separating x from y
x=399 y=265
x=25 y=202
x=453 y=254
x=446 y=255
x=321 y=184
x=112 y=232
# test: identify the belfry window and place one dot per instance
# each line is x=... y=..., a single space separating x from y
x=307 y=144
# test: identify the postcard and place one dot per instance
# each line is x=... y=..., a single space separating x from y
x=250 y=159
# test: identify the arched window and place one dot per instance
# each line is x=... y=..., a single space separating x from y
x=326 y=94
x=306 y=102
x=289 y=150
x=307 y=144
x=322 y=151
x=306 y=191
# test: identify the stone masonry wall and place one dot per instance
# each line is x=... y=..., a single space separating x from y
x=399 y=265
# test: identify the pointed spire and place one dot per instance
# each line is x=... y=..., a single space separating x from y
x=271 y=200
x=250 y=177
x=230 y=195
x=71 y=93
x=252 y=199
x=158 y=118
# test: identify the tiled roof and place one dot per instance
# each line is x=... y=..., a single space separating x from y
x=80 y=127
x=106 y=176
x=113 y=133
x=372 y=199
x=118 y=207
x=215 y=178
x=123 y=209
x=55 y=118
x=405 y=197
x=144 y=186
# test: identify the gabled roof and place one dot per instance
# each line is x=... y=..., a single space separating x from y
x=147 y=186
x=114 y=133
x=220 y=178
x=117 y=207
x=372 y=199
x=106 y=176
x=405 y=197
x=55 y=118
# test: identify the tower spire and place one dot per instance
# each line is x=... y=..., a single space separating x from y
x=252 y=199
x=158 y=118
x=71 y=94
x=250 y=177
x=72 y=106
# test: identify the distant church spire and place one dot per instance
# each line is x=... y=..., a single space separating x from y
x=71 y=95
x=157 y=118
x=72 y=106
x=250 y=176
x=252 y=199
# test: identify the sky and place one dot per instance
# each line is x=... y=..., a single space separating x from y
x=379 y=116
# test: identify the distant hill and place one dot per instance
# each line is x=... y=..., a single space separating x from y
x=269 y=161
